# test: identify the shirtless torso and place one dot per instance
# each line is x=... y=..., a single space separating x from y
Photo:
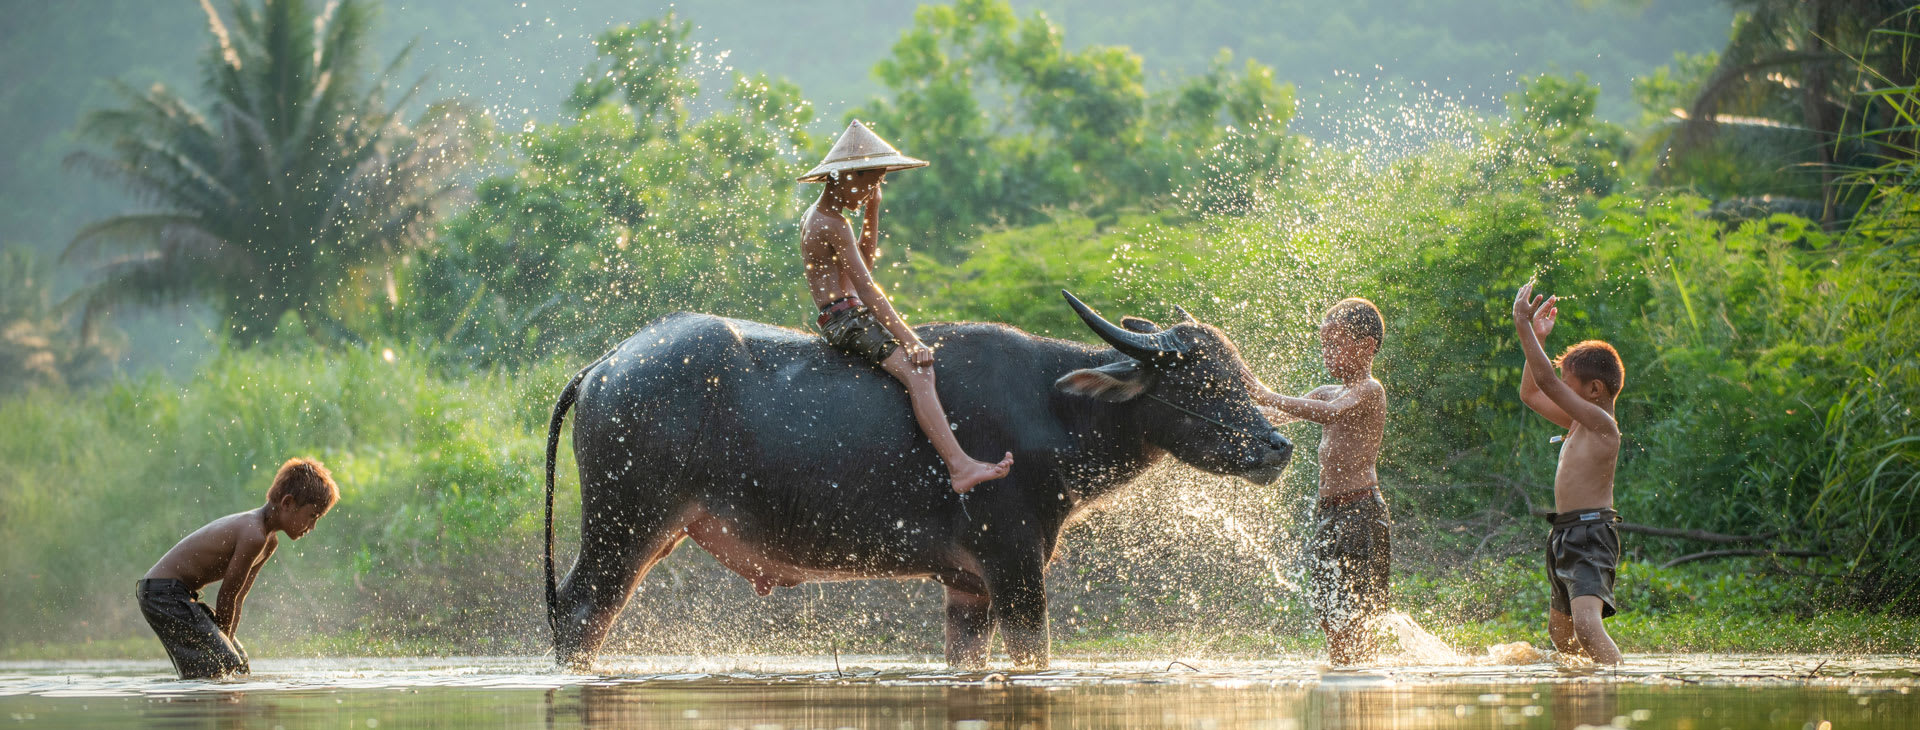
x=1584 y=479
x=206 y=555
x=1350 y=442
x=826 y=234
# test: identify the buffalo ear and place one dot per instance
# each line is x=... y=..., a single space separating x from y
x=1121 y=381
x=1140 y=325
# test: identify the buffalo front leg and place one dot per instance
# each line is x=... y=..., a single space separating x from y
x=969 y=629
x=1020 y=609
x=615 y=556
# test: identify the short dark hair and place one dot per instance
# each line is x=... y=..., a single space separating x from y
x=306 y=481
x=1595 y=360
x=1359 y=318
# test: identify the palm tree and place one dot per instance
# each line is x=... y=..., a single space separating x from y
x=1787 y=72
x=297 y=180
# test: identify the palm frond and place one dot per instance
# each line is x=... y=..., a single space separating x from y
x=132 y=230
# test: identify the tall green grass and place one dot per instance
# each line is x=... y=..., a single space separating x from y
x=437 y=475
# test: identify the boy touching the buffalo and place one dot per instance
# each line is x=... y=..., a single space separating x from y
x=231 y=550
x=855 y=316
x=1583 y=546
x=1351 y=546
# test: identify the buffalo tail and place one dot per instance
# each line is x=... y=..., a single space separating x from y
x=567 y=398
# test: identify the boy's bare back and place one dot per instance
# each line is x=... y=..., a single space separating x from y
x=207 y=555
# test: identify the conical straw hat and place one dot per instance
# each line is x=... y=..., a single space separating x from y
x=860 y=149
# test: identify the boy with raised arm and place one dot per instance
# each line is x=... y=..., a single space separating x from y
x=1583 y=546
x=855 y=316
x=199 y=640
x=1352 y=549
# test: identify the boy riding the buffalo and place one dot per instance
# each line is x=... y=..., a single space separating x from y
x=855 y=316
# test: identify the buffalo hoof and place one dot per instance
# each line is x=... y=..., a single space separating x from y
x=574 y=661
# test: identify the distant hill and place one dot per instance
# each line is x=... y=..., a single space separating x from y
x=520 y=58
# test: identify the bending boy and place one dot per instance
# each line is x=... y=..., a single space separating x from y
x=855 y=316
x=1352 y=547
x=1583 y=546
x=200 y=641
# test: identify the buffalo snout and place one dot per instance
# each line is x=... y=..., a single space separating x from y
x=1273 y=457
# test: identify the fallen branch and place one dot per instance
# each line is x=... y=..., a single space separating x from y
x=1710 y=554
x=1700 y=535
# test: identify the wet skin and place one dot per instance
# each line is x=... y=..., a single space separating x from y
x=839 y=266
x=1584 y=478
x=232 y=549
x=792 y=462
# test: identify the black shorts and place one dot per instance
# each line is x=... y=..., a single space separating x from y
x=857 y=332
x=1352 y=558
x=1583 y=551
x=197 y=646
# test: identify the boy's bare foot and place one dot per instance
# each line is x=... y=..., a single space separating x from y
x=972 y=472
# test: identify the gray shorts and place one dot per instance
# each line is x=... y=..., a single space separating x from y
x=857 y=332
x=197 y=646
x=1352 y=552
x=1583 y=551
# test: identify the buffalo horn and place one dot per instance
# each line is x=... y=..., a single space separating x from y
x=1155 y=347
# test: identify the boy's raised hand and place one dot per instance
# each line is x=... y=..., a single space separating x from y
x=1526 y=304
x=1544 y=317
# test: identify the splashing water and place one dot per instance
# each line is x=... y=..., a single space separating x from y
x=1420 y=647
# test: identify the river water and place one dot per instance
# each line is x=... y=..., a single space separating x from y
x=1692 y=692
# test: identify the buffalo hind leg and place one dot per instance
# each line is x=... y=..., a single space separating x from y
x=614 y=558
x=969 y=629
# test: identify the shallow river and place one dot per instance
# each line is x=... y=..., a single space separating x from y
x=1695 y=692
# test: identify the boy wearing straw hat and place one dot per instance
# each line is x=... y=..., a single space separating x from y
x=855 y=316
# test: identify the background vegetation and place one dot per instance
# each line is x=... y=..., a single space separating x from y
x=1770 y=386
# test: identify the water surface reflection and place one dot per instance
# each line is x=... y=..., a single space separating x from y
x=765 y=693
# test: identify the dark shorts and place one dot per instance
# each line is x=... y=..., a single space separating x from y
x=1583 y=550
x=857 y=332
x=1352 y=558
x=197 y=646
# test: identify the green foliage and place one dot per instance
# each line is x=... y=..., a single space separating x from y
x=1133 y=266
x=294 y=190
x=630 y=209
x=1020 y=127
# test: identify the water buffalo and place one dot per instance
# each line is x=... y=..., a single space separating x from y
x=791 y=462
